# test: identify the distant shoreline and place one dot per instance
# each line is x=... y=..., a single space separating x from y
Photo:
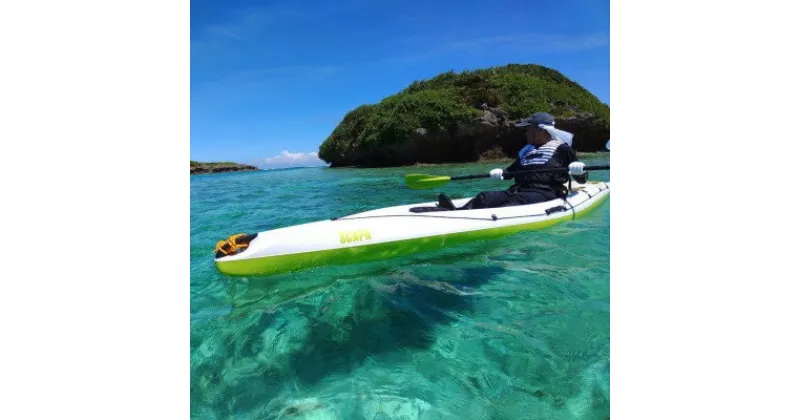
x=207 y=168
x=200 y=168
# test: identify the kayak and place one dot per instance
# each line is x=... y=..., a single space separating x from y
x=392 y=232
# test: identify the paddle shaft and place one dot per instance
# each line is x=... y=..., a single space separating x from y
x=509 y=175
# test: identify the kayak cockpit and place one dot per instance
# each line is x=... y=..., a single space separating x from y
x=426 y=209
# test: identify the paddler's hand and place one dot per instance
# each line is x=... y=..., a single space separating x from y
x=576 y=168
x=496 y=174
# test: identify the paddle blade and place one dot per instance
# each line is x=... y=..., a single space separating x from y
x=425 y=182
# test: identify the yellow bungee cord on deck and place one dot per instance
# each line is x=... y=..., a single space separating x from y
x=230 y=246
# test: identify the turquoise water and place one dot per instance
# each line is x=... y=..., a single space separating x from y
x=515 y=328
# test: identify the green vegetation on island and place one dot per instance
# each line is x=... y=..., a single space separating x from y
x=465 y=117
x=216 y=167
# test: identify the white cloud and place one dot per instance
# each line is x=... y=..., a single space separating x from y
x=288 y=159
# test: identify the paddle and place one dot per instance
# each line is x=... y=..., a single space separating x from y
x=423 y=182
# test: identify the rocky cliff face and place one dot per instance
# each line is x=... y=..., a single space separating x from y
x=491 y=135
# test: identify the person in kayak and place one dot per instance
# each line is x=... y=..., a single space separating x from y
x=548 y=147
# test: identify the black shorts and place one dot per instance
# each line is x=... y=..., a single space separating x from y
x=493 y=199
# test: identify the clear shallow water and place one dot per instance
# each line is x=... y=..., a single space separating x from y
x=516 y=328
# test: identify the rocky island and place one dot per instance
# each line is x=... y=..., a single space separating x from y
x=465 y=117
x=217 y=167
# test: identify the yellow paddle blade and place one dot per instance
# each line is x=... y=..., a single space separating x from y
x=424 y=182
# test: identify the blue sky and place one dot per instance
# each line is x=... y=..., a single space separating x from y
x=270 y=80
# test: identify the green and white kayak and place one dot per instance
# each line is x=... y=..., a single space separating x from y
x=394 y=231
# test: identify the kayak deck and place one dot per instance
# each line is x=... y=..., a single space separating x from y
x=395 y=231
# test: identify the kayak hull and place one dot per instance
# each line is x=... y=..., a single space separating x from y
x=396 y=231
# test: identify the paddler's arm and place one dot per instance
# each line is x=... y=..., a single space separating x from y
x=580 y=179
x=569 y=156
x=514 y=167
x=497 y=173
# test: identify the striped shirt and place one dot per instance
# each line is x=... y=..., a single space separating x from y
x=541 y=155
